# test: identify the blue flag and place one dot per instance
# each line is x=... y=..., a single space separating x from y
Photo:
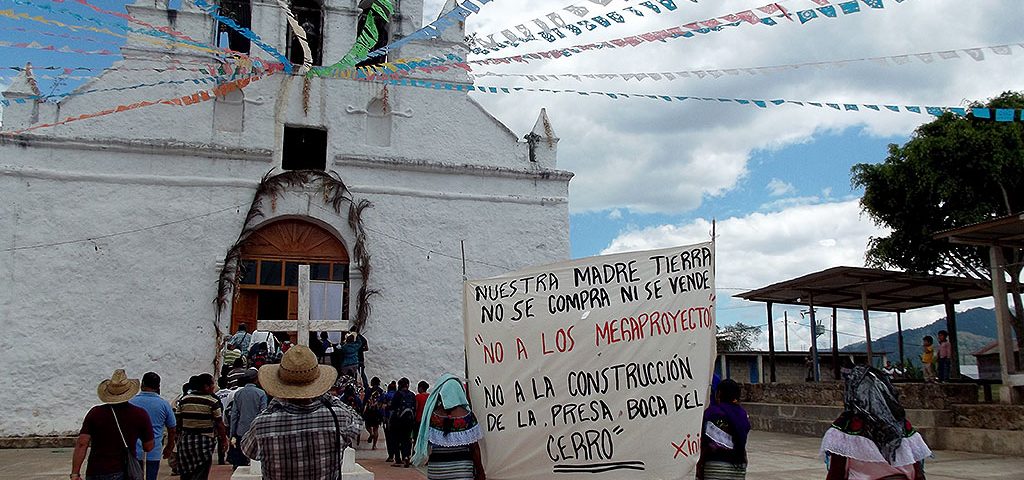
x=806 y=16
x=850 y=7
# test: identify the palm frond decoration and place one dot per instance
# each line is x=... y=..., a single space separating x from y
x=336 y=195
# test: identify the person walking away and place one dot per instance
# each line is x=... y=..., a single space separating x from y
x=945 y=356
x=241 y=339
x=161 y=415
x=927 y=358
x=449 y=434
x=238 y=371
x=364 y=346
x=228 y=357
x=248 y=402
x=346 y=357
x=723 y=452
x=345 y=388
x=385 y=409
x=226 y=396
x=421 y=401
x=303 y=431
x=371 y=411
x=872 y=439
x=173 y=461
x=200 y=421
x=109 y=429
x=403 y=420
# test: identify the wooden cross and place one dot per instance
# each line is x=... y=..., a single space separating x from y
x=303 y=325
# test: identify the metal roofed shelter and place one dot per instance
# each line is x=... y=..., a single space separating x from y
x=1003 y=232
x=867 y=289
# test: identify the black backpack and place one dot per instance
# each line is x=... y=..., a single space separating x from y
x=407 y=405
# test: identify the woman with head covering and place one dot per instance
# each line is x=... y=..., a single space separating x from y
x=723 y=448
x=449 y=435
x=872 y=439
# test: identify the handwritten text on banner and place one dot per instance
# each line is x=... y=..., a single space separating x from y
x=595 y=368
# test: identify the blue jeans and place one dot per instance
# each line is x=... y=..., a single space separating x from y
x=944 y=368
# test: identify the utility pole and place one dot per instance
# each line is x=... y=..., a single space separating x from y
x=785 y=317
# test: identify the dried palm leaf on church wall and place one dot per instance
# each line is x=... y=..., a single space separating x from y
x=335 y=194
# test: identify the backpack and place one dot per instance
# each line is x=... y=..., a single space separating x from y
x=407 y=406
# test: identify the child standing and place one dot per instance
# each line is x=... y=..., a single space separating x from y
x=945 y=356
x=928 y=358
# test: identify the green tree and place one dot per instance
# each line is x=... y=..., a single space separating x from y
x=738 y=337
x=953 y=172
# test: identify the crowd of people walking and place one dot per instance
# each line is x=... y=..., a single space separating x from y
x=268 y=403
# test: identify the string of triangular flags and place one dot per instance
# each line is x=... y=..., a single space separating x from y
x=216 y=80
x=185 y=100
x=168 y=30
x=999 y=114
x=65 y=36
x=52 y=48
x=975 y=53
x=521 y=33
x=164 y=37
x=212 y=11
x=343 y=68
x=689 y=30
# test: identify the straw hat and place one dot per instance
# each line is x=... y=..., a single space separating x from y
x=298 y=375
x=118 y=388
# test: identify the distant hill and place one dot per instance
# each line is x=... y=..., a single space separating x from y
x=976 y=328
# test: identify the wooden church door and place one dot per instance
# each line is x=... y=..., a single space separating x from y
x=268 y=280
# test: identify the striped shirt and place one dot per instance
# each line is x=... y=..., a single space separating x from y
x=296 y=440
x=198 y=413
x=230 y=356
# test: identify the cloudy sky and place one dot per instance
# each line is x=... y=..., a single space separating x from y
x=654 y=174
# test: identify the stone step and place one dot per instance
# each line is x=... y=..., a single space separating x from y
x=989 y=417
x=920 y=418
x=57 y=441
x=978 y=440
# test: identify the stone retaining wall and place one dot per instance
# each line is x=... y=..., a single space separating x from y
x=928 y=396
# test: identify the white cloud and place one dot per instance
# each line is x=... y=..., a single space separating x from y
x=778 y=188
x=764 y=248
x=615 y=214
x=784 y=203
x=655 y=156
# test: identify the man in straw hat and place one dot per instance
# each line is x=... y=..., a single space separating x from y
x=304 y=430
x=111 y=429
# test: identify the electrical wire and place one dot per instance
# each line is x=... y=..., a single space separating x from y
x=116 y=234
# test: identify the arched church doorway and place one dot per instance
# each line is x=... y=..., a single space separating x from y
x=268 y=279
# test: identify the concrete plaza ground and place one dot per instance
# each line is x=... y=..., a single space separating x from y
x=773 y=456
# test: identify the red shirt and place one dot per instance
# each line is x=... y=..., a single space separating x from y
x=421 y=401
x=106 y=451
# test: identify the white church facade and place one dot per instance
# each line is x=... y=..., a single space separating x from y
x=136 y=240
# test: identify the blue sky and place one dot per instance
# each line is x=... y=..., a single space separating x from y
x=812 y=171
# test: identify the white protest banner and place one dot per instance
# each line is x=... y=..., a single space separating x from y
x=595 y=368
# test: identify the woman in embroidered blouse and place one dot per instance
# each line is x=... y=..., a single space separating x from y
x=872 y=439
x=449 y=436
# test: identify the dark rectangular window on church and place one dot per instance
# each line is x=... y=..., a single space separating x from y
x=320 y=271
x=304 y=149
x=340 y=273
x=291 y=274
x=248 y=272
x=270 y=272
